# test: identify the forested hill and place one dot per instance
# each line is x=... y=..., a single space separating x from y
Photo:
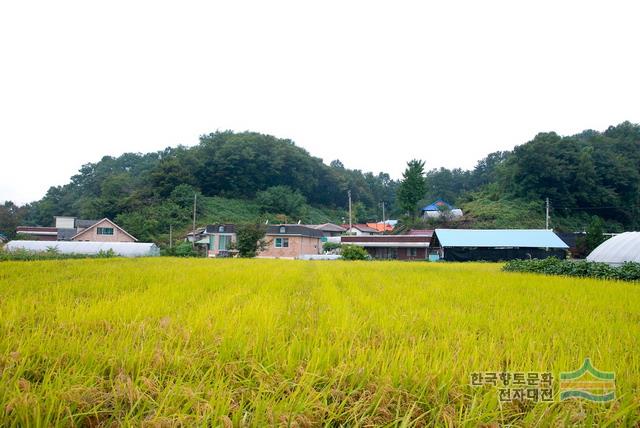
x=249 y=176
x=236 y=174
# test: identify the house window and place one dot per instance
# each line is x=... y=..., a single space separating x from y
x=105 y=230
x=283 y=229
x=412 y=252
x=223 y=242
x=282 y=242
x=220 y=229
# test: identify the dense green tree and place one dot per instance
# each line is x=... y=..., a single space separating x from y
x=412 y=187
x=250 y=239
x=595 y=235
x=11 y=216
x=281 y=200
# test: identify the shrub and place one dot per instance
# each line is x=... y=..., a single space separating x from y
x=552 y=266
x=50 y=253
x=353 y=252
x=184 y=249
x=330 y=246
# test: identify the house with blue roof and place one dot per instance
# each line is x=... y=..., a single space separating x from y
x=496 y=244
x=439 y=208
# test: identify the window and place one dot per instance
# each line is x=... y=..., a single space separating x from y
x=412 y=252
x=223 y=242
x=283 y=229
x=105 y=230
x=282 y=242
x=220 y=229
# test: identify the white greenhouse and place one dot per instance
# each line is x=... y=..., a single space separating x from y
x=618 y=249
x=123 y=249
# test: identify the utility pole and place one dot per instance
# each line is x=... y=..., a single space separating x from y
x=195 y=199
x=350 y=223
x=384 y=224
x=170 y=236
x=547 y=216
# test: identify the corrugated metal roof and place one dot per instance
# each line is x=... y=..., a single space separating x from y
x=617 y=250
x=529 y=238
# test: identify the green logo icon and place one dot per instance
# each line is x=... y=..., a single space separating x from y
x=588 y=383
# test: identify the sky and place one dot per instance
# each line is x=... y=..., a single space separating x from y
x=371 y=83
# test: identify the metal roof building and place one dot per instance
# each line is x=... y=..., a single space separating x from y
x=497 y=244
x=617 y=250
x=123 y=249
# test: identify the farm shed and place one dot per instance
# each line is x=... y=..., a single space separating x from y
x=496 y=244
x=401 y=247
x=124 y=249
x=617 y=250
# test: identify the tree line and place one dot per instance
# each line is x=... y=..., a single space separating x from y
x=589 y=174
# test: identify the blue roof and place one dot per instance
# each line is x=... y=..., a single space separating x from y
x=438 y=205
x=528 y=238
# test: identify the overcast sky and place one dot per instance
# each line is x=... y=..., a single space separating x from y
x=371 y=83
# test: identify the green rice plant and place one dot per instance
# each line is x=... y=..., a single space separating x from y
x=246 y=342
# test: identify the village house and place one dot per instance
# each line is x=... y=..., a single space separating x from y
x=291 y=241
x=360 y=230
x=440 y=208
x=216 y=240
x=73 y=229
x=221 y=237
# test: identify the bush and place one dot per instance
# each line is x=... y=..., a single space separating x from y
x=184 y=249
x=353 y=252
x=50 y=254
x=552 y=266
x=330 y=246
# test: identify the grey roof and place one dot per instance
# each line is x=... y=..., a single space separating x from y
x=328 y=227
x=214 y=228
x=294 y=229
x=83 y=224
x=365 y=228
x=66 y=234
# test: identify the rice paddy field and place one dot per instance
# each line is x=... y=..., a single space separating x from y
x=190 y=342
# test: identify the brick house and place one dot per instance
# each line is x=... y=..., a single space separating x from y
x=220 y=237
x=291 y=241
x=103 y=230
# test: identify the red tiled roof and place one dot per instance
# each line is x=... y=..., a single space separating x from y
x=380 y=227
